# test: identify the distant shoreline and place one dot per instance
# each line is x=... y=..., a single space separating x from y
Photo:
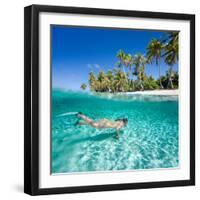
x=174 y=92
x=170 y=92
x=163 y=92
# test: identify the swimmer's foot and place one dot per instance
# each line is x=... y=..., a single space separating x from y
x=79 y=113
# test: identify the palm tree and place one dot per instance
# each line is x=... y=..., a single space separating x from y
x=83 y=86
x=170 y=76
x=154 y=54
x=139 y=61
x=128 y=61
x=125 y=60
x=92 y=82
x=141 y=76
x=120 y=81
x=171 y=54
x=103 y=81
x=110 y=77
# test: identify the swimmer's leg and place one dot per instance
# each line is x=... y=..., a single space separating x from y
x=85 y=118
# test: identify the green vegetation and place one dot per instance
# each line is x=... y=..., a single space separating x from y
x=83 y=86
x=154 y=52
x=129 y=75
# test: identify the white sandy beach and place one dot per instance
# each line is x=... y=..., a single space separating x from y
x=156 y=92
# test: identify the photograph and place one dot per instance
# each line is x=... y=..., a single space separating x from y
x=114 y=99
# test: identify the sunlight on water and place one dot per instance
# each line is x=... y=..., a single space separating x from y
x=149 y=141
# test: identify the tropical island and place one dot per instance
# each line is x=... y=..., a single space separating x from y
x=129 y=73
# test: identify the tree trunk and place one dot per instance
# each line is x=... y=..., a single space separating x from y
x=170 y=83
x=140 y=81
x=142 y=87
x=161 y=86
x=124 y=73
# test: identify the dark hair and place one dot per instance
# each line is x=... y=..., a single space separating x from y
x=125 y=120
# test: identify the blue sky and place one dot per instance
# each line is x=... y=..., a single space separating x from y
x=78 y=50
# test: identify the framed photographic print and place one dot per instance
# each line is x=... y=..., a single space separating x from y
x=109 y=100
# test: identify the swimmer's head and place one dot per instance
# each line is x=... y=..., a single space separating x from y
x=124 y=120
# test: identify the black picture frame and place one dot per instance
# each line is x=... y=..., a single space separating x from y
x=31 y=99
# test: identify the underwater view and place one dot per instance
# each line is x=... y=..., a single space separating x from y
x=150 y=139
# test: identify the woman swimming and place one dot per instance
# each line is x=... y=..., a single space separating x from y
x=103 y=123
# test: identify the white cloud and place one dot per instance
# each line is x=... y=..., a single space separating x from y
x=89 y=66
x=93 y=66
x=97 y=66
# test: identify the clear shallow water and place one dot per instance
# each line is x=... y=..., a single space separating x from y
x=149 y=141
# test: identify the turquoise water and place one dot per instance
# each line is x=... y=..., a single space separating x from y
x=149 y=141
